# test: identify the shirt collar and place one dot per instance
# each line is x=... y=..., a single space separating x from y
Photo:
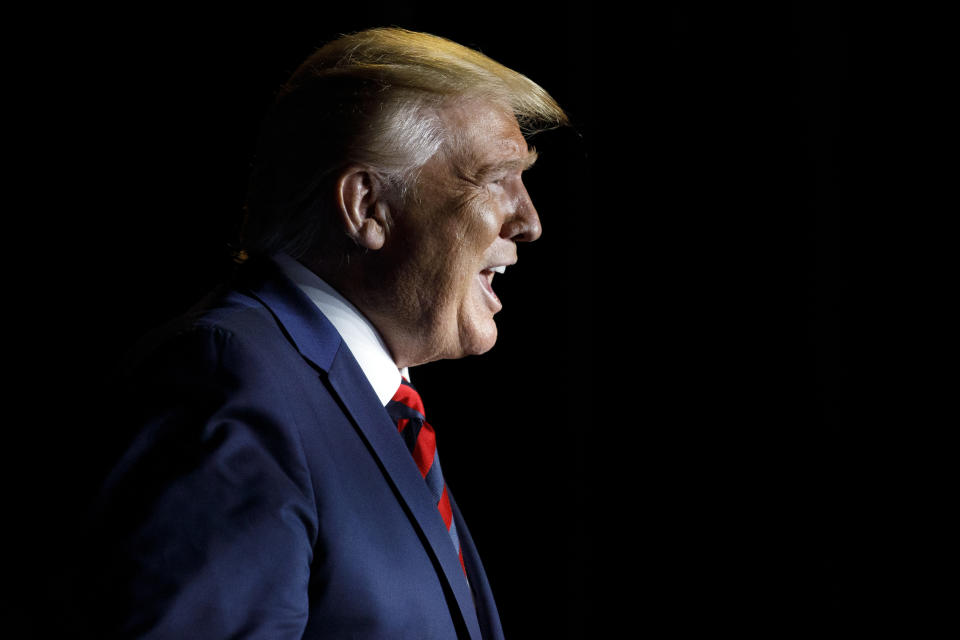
x=361 y=336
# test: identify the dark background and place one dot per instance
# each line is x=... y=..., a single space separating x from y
x=694 y=414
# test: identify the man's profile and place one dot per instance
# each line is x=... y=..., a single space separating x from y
x=281 y=479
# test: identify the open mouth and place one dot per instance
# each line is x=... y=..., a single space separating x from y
x=486 y=279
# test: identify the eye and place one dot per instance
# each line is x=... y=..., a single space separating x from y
x=502 y=179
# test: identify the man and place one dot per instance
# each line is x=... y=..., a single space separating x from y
x=281 y=481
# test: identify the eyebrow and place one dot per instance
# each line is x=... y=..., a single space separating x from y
x=522 y=164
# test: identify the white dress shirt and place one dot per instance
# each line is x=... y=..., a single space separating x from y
x=361 y=336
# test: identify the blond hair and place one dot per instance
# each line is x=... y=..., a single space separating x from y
x=373 y=98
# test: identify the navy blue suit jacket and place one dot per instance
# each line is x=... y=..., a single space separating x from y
x=265 y=492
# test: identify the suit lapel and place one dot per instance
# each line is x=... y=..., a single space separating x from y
x=318 y=341
x=348 y=381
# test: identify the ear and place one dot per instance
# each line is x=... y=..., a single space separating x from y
x=362 y=205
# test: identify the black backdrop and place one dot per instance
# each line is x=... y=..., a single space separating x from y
x=671 y=428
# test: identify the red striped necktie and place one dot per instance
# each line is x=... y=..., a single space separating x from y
x=406 y=410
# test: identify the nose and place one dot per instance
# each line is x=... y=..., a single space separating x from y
x=524 y=224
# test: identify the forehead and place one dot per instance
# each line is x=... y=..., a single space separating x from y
x=485 y=133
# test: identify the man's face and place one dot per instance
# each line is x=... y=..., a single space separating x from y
x=459 y=228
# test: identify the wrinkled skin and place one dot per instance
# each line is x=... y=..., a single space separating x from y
x=426 y=283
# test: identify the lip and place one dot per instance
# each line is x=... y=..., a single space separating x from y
x=485 y=279
x=500 y=265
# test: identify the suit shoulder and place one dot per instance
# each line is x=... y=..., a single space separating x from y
x=225 y=318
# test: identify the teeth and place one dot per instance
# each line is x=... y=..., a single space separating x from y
x=500 y=269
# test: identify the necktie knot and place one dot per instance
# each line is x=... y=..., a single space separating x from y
x=406 y=405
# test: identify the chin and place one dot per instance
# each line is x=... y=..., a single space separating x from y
x=480 y=340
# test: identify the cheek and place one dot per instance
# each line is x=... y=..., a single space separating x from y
x=453 y=255
x=466 y=243
x=483 y=226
